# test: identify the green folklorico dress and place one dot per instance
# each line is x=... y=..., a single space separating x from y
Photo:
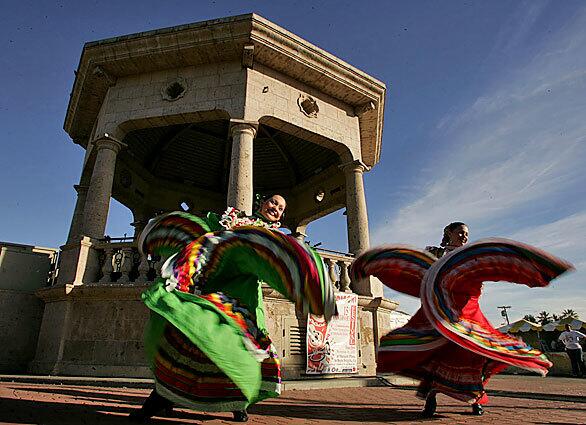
x=206 y=339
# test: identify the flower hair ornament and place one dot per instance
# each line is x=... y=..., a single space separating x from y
x=233 y=218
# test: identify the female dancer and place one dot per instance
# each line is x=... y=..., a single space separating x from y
x=448 y=344
x=455 y=236
x=206 y=340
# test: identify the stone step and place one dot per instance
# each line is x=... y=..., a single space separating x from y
x=300 y=384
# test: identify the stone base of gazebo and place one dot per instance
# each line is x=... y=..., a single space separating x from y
x=97 y=330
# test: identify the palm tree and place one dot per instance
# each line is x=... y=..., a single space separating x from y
x=555 y=317
x=544 y=318
x=569 y=313
x=530 y=318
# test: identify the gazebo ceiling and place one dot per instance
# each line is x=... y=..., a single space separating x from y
x=199 y=154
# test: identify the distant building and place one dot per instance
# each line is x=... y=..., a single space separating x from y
x=397 y=319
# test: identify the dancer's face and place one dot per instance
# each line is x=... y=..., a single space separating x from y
x=458 y=236
x=273 y=208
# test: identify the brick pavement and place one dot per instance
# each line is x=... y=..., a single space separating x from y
x=520 y=400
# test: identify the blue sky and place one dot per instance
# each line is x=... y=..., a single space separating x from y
x=484 y=120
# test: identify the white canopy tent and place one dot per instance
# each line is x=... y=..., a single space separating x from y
x=560 y=325
x=520 y=325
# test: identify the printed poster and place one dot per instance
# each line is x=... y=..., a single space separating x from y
x=332 y=347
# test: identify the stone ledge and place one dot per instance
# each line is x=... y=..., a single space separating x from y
x=80 y=380
x=377 y=302
x=325 y=382
x=102 y=291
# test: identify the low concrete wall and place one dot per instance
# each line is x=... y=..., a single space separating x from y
x=20 y=320
x=23 y=269
x=561 y=366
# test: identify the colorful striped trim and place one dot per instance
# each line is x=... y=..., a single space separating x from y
x=399 y=267
x=192 y=379
x=170 y=233
x=300 y=270
x=389 y=255
x=487 y=260
x=406 y=339
x=199 y=405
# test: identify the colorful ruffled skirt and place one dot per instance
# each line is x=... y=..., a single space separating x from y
x=448 y=344
x=420 y=352
x=207 y=353
x=206 y=339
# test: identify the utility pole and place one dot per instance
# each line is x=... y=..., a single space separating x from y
x=504 y=312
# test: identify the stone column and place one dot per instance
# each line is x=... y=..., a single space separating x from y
x=357 y=222
x=240 y=190
x=76 y=228
x=356 y=213
x=141 y=219
x=298 y=232
x=138 y=225
x=98 y=197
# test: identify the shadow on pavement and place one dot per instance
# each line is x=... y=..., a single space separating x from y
x=287 y=401
x=555 y=423
x=552 y=407
x=88 y=394
x=538 y=396
x=340 y=414
x=17 y=411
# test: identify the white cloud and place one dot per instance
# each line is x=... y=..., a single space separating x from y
x=511 y=164
x=518 y=27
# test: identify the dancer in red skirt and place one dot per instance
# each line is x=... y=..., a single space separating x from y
x=448 y=345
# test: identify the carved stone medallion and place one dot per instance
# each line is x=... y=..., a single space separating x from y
x=308 y=105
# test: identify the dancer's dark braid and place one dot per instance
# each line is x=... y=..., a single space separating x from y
x=446 y=238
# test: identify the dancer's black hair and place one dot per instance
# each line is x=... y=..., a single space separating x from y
x=448 y=229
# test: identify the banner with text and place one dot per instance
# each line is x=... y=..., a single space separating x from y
x=332 y=347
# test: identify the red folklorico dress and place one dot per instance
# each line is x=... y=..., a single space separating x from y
x=448 y=344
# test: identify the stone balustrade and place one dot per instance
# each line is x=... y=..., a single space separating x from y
x=337 y=265
x=120 y=262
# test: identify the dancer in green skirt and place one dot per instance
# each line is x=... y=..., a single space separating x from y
x=207 y=341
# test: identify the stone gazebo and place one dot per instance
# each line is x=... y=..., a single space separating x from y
x=199 y=117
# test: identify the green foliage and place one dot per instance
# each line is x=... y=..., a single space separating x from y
x=569 y=313
x=544 y=318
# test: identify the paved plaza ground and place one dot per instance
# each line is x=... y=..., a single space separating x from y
x=514 y=400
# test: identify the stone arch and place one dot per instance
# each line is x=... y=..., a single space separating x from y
x=167 y=120
x=119 y=130
x=327 y=211
x=343 y=151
